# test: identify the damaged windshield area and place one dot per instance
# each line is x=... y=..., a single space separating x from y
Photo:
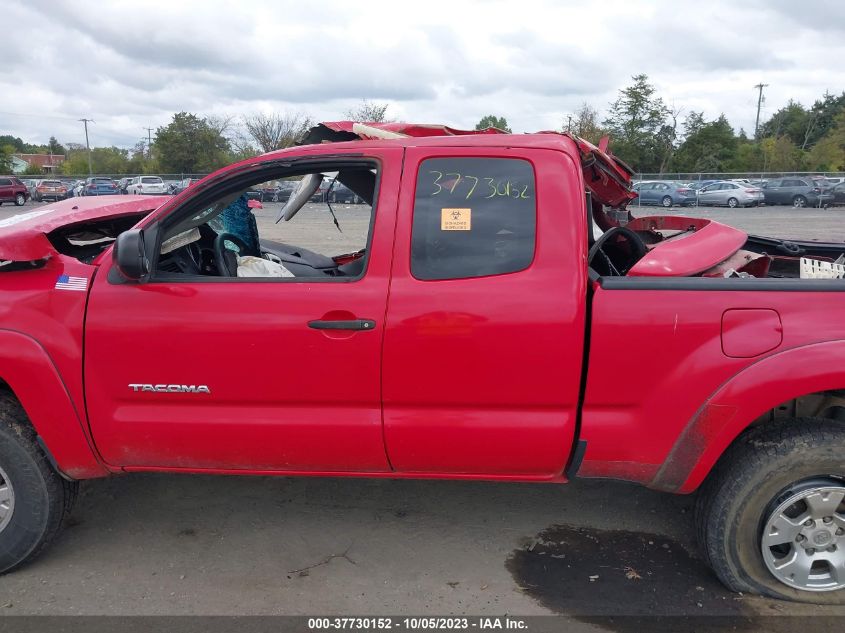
x=85 y=241
x=313 y=225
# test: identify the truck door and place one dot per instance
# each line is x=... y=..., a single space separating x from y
x=194 y=372
x=486 y=317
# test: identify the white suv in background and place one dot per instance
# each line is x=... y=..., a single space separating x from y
x=146 y=185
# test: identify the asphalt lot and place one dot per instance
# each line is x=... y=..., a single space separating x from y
x=188 y=545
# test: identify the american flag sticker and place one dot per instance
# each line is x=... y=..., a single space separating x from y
x=66 y=282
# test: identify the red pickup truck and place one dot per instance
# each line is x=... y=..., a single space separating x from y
x=506 y=318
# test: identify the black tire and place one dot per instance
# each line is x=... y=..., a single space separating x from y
x=759 y=471
x=799 y=202
x=42 y=499
x=20 y=200
x=733 y=203
x=666 y=201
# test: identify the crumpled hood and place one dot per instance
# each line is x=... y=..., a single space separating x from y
x=23 y=237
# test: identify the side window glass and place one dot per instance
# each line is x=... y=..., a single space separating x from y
x=252 y=230
x=473 y=217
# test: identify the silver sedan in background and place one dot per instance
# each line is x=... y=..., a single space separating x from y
x=730 y=194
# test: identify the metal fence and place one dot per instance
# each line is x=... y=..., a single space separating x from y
x=750 y=175
x=111 y=176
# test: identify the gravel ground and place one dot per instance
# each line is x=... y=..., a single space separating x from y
x=166 y=544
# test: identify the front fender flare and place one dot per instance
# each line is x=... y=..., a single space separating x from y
x=32 y=376
x=741 y=400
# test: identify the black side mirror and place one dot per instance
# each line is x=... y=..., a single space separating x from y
x=130 y=255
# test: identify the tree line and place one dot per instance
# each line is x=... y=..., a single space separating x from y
x=645 y=131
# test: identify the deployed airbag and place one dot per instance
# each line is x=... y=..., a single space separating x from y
x=251 y=266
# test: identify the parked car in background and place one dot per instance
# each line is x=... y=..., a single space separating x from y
x=320 y=194
x=665 y=193
x=799 y=192
x=122 y=185
x=98 y=186
x=146 y=186
x=170 y=185
x=285 y=189
x=730 y=194
x=31 y=184
x=50 y=190
x=838 y=193
x=342 y=194
x=835 y=180
x=181 y=185
x=13 y=190
x=70 y=185
x=268 y=191
x=696 y=185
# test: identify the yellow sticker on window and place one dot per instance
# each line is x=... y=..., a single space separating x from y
x=455 y=219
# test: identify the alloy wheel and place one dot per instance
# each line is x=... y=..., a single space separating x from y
x=803 y=538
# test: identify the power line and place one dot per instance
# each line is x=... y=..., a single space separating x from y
x=759 y=87
x=87 y=145
x=149 y=141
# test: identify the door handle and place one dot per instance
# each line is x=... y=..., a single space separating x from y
x=349 y=324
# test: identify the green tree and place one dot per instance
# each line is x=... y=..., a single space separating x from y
x=15 y=142
x=791 y=121
x=33 y=170
x=188 y=144
x=780 y=154
x=6 y=151
x=54 y=147
x=707 y=146
x=828 y=154
x=638 y=126
x=491 y=120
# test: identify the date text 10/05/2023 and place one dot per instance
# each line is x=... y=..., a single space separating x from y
x=492 y=189
x=431 y=623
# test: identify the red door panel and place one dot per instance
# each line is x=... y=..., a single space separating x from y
x=481 y=375
x=283 y=395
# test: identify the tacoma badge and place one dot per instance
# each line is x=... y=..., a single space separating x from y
x=170 y=388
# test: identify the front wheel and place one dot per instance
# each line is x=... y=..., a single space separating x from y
x=667 y=201
x=799 y=202
x=771 y=517
x=20 y=199
x=34 y=499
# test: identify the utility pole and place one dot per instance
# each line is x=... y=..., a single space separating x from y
x=759 y=87
x=569 y=123
x=87 y=145
x=149 y=141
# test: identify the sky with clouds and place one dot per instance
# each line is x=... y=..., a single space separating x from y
x=129 y=65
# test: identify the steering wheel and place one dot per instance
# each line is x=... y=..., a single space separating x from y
x=224 y=258
x=611 y=266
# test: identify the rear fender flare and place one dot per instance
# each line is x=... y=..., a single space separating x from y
x=740 y=401
x=30 y=373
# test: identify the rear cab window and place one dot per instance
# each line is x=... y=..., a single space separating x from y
x=473 y=217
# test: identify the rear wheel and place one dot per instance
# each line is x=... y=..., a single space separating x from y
x=20 y=199
x=34 y=499
x=733 y=203
x=799 y=202
x=771 y=517
x=667 y=201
